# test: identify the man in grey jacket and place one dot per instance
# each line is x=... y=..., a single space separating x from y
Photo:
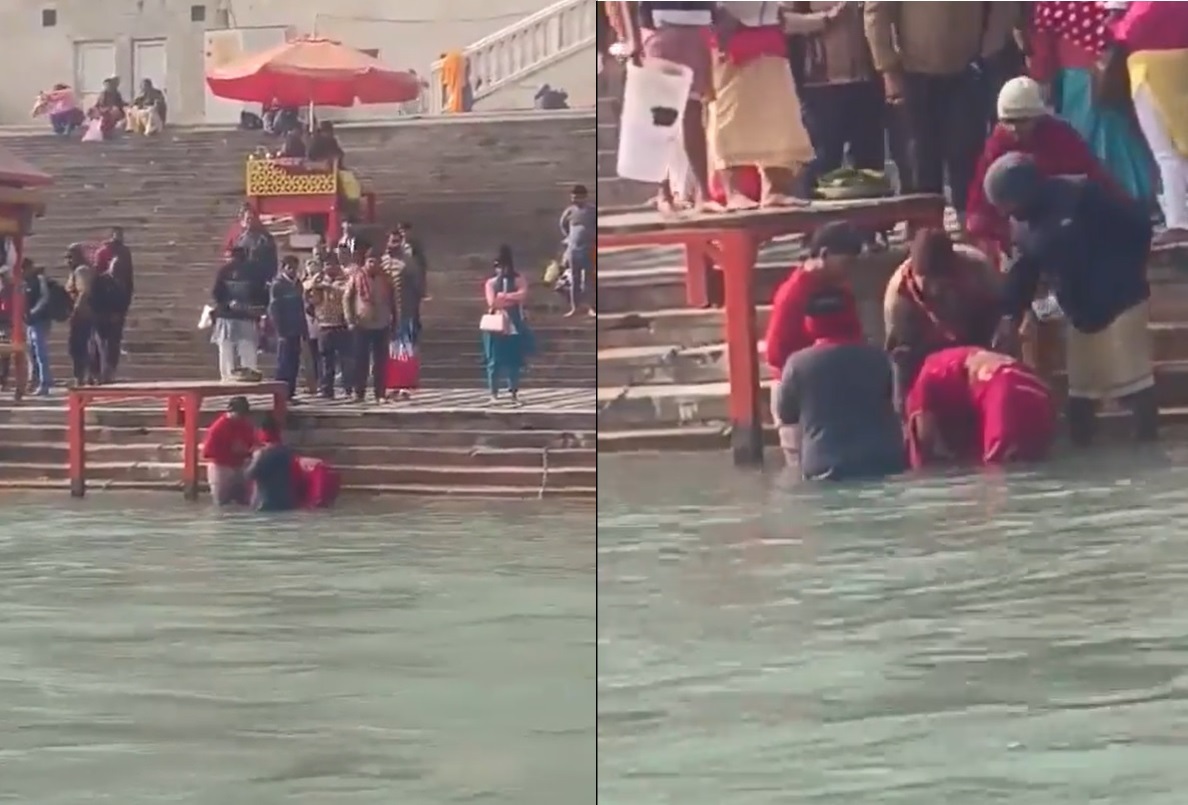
x=286 y=310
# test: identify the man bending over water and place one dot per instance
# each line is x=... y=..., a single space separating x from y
x=1091 y=245
x=274 y=473
x=839 y=393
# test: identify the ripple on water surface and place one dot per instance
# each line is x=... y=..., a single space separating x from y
x=172 y=654
x=965 y=639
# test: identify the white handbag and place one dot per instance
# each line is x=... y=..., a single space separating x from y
x=496 y=322
x=206 y=320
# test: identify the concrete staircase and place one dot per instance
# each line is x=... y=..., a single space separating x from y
x=468 y=184
x=662 y=369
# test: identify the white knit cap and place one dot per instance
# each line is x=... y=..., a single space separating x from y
x=1020 y=99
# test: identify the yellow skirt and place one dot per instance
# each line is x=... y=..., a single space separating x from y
x=1113 y=363
x=352 y=189
x=754 y=118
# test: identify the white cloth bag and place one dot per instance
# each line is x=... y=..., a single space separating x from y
x=646 y=144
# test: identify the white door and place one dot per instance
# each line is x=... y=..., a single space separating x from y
x=93 y=63
x=225 y=47
x=148 y=61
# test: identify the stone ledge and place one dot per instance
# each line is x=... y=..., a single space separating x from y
x=409 y=121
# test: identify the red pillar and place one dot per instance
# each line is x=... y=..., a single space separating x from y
x=76 y=434
x=738 y=252
x=20 y=355
x=191 y=407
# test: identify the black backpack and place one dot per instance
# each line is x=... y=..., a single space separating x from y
x=60 y=304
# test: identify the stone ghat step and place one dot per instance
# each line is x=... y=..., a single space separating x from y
x=456 y=372
x=1115 y=427
x=348 y=493
x=662 y=286
x=646 y=406
x=557 y=409
x=529 y=479
x=316 y=438
x=706 y=363
x=170 y=452
x=635 y=264
x=643 y=293
x=417 y=490
x=538 y=379
x=673 y=328
x=169 y=347
x=467 y=349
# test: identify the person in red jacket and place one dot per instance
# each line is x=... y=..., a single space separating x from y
x=114 y=260
x=970 y=405
x=226 y=450
x=832 y=250
x=6 y=289
x=1026 y=125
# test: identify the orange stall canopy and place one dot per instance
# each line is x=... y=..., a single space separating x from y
x=19 y=173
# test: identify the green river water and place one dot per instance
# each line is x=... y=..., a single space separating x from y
x=156 y=652
x=961 y=640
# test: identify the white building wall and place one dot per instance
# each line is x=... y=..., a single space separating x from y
x=408 y=35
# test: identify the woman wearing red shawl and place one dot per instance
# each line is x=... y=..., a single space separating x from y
x=1065 y=40
x=941 y=296
x=1026 y=126
x=971 y=405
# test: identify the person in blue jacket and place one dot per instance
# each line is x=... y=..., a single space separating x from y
x=1091 y=247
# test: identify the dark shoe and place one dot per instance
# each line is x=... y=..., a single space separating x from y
x=1144 y=413
x=1082 y=420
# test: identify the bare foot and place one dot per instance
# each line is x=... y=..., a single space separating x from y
x=712 y=207
x=774 y=200
x=665 y=207
x=736 y=202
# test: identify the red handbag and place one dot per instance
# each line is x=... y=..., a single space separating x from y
x=404 y=373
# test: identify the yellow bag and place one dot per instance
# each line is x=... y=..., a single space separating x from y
x=552 y=273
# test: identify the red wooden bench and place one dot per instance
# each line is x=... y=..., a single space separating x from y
x=731 y=241
x=183 y=404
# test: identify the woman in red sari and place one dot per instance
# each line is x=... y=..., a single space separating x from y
x=971 y=405
x=1026 y=125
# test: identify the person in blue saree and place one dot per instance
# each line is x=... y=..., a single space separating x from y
x=506 y=350
x=1065 y=42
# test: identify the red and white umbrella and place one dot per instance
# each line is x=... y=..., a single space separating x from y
x=315 y=72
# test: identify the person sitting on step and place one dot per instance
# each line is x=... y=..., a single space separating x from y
x=148 y=111
x=61 y=105
x=109 y=107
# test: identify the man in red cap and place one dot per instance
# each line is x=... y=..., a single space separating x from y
x=832 y=250
x=837 y=394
